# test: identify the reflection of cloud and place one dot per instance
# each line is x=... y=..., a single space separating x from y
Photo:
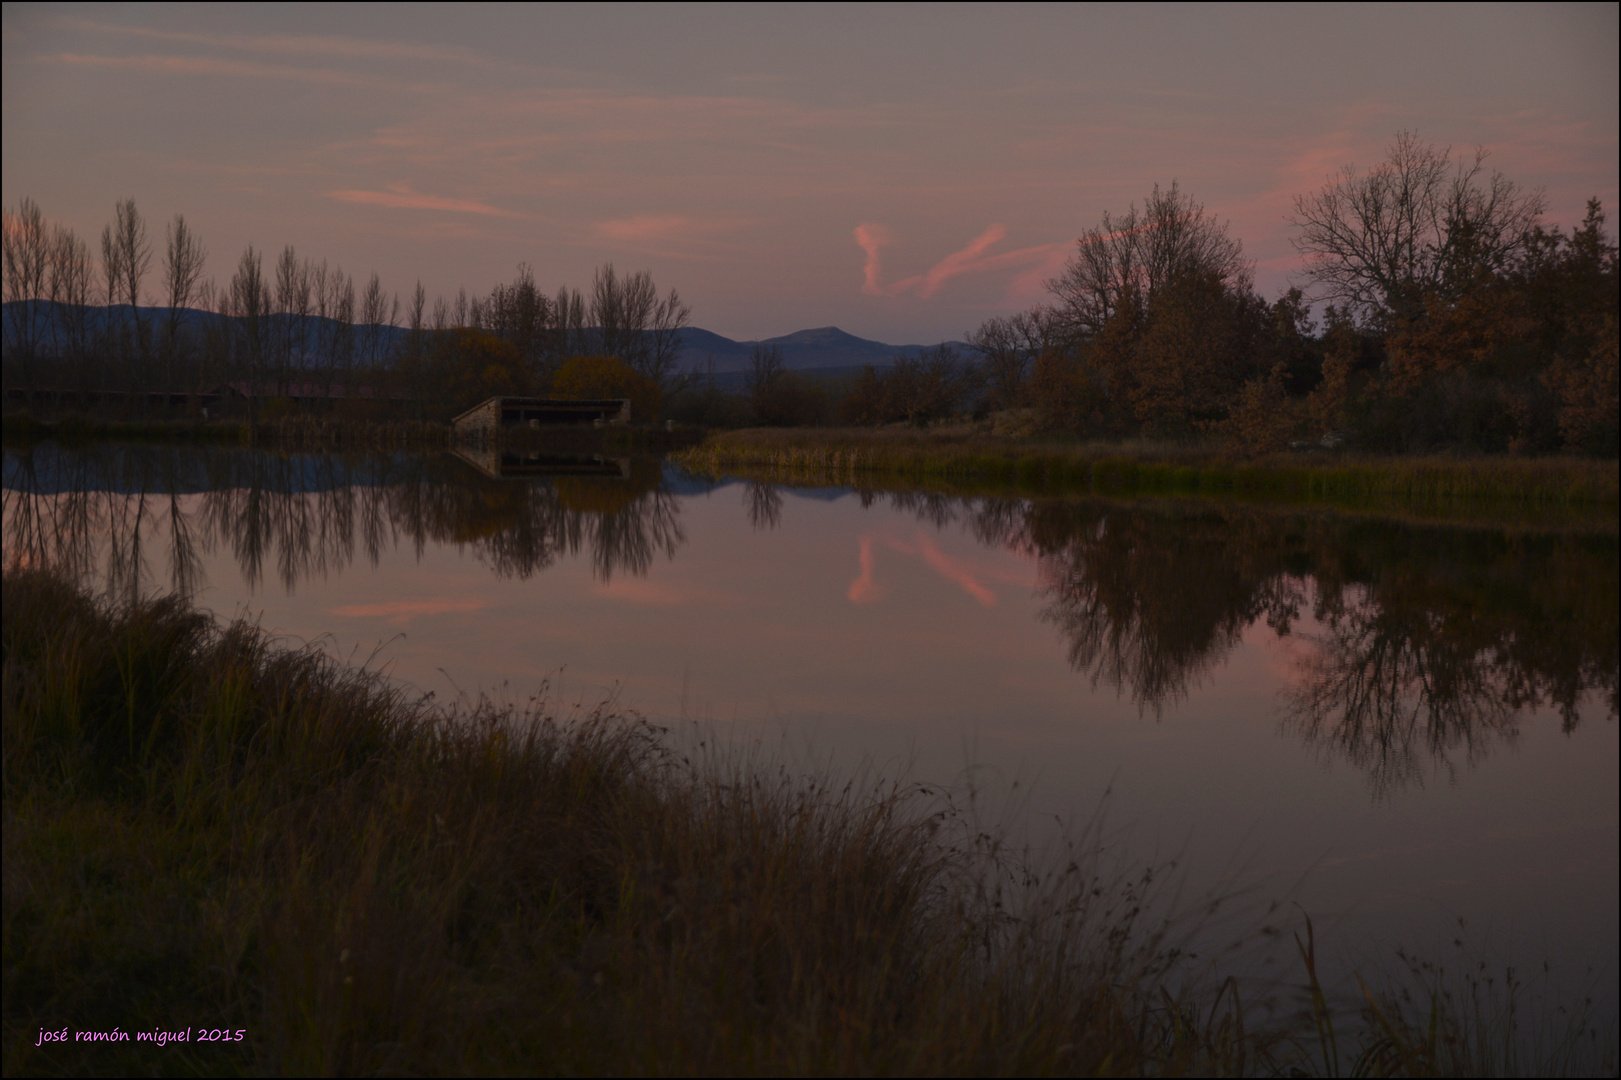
x=864 y=590
x=647 y=593
x=401 y=197
x=400 y=612
x=955 y=571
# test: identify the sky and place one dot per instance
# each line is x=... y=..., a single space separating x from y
x=900 y=172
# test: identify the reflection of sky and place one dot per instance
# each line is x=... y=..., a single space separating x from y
x=867 y=634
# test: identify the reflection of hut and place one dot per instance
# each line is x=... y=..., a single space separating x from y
x=501 y=464
x=500 y=412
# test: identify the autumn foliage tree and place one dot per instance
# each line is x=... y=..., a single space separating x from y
x=582 y=377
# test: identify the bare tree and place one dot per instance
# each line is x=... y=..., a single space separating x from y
x=766 y=368
x=1414 y=224
x=248 y=304
x=341 y=345
x=71 y=277
x=127 y=254
x=1008 y=346
x=183 y=260
x=375 y=314
x=1141 y=253
x=27 y=262
x=633 y=324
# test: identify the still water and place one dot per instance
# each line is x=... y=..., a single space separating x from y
x=1407 y=729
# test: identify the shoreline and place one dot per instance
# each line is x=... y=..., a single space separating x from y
x=842 y=455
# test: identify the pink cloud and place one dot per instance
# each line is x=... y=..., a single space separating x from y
x=194 y=65
x=972 y=259
x=871 y=238
x=401 y=197
x=304 y=44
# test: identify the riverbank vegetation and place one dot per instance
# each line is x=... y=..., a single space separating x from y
x=971 y=455
x=204 y=828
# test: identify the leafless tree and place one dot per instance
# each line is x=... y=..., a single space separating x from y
x=1141 y=253
x=1008 y=345
x=127 y=255
x=248 y=302
x=27 y=262
x=71 y=277
x=766 y=367
x=633 y=324
x=1415 y=224
x=341 y=345
x=183 y=260
x=376 y=312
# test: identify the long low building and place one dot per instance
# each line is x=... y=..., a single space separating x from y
x=499 y=412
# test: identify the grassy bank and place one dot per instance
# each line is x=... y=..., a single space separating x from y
x=846 y=456
x=206 y=830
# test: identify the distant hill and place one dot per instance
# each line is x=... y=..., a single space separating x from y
x=821 y=348
x=824 y=347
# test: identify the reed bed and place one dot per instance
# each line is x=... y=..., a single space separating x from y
x=846 y=457
x=206 y=829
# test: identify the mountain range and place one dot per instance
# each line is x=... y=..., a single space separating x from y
x=803 y=350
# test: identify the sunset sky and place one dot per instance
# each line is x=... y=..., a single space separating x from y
x=900 y=172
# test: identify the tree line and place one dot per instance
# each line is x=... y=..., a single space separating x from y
x=1434 y=309
x=302 y=328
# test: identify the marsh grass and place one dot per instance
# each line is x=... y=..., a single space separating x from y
x=205 y=828
x=1150 y=468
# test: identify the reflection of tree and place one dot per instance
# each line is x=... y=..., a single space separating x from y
x=1435 y=638
x=1433 y=650
x=1393 y=694
x=306 y=516
x=764 y=504
x=1151 y=602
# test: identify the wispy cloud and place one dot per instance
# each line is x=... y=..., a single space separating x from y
x=150 y=63
x=401 y=197
x=288 y=44
x=871 y=239
x=972 y=259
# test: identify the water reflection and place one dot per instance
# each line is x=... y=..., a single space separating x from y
x=1424 y=645
x=1429 y=641
x=102 y=510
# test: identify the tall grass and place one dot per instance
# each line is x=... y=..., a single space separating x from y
x=204 y=829
x=845 y=456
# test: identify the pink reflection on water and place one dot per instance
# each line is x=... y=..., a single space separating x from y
x=955 y=571
x=963 y=573
x=864 y=590
x=401 y=612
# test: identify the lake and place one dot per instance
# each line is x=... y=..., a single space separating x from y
x=1406 y=726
